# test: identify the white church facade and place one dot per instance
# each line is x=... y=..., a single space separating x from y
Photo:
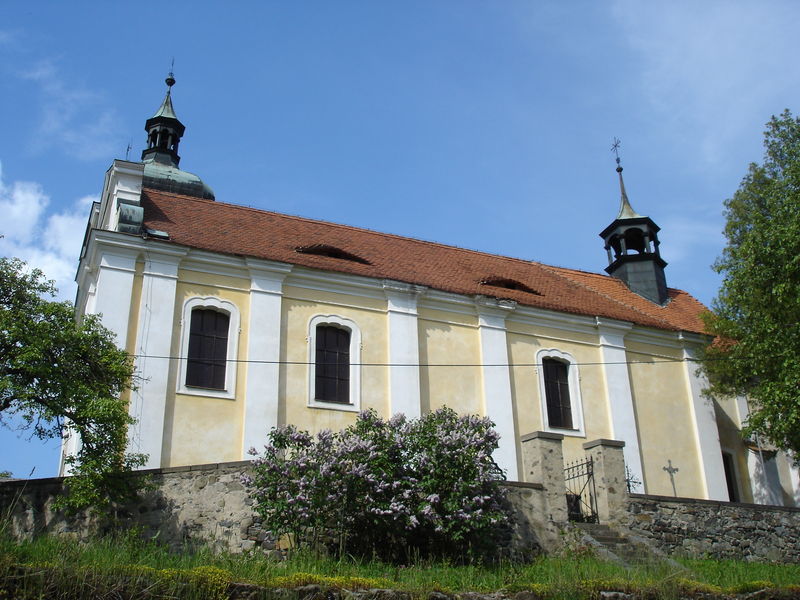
x=241 y=320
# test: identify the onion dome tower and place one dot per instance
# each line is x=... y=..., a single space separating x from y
x=160 y=158
x=631 y=242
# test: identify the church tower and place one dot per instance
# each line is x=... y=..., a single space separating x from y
x=631 y=242
x=164 y=131
x=160 y=158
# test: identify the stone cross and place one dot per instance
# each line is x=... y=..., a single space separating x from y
x=672 y=470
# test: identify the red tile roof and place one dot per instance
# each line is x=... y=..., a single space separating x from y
x=239 y=230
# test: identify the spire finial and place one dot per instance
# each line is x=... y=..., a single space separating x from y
x=170 y=80
x=625 y=209
x=615 y=149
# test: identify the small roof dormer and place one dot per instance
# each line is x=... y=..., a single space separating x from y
x=632 y=244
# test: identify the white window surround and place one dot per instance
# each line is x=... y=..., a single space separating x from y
x=233 y=343
x=574 y=392
x=355 y=362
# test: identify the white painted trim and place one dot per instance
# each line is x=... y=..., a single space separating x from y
x=116 y=268
x=619 y=398
x=355 y=362
x=706 y=432
x=262 y=399
x=153 y=339
x=496 y=377
x=403 y=347
x=231 y=366
x=123 y=183
x=576 y=403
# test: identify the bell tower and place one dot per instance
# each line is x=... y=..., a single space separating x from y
x=164 y=132
x=631 y=242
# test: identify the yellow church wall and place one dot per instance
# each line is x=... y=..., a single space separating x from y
x=299 y=306
x=555 y=336
x=191 y=418
x=664 y=417
x=525 y=382
x=449 y=338
x=525 y=340
x=334 y=298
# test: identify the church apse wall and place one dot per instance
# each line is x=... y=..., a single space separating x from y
x=666 y=429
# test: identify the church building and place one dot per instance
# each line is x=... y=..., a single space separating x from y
x=241 y=320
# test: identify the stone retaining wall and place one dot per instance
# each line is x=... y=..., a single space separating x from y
x=689 y=527
x=208 y=504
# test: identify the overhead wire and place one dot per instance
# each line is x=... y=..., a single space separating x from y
x=381 y=364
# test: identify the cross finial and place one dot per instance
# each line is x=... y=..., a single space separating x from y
x=615 y=149
x=170 y=80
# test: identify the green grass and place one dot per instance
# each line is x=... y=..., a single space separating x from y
x=126 y=567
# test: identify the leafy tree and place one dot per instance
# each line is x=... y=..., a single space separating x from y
x=756 y=316
x=60 y=378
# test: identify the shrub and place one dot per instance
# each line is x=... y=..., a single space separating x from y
x=394 y=489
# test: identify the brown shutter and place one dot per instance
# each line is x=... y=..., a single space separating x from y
x=332 y=365
x=556 y=389
x=208 y=349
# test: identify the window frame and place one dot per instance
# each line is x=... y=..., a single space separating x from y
x=354 y=403
x=573 y=381
x=231 y=370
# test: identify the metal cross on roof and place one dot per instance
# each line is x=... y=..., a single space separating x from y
x=615 y=148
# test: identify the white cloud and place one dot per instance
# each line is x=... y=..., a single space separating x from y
x=72 y=118
x=50 y=242
x=715 y=70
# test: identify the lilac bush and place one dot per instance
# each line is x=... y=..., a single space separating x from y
x=392 y=489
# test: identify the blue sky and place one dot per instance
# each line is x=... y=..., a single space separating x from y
x=485 y=125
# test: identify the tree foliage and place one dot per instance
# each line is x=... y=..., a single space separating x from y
x=394 y=489
x=756 y=316
x=60 y=378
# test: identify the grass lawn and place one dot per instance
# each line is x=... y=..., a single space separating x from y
x=127 y=567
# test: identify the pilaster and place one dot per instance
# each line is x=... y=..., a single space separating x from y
x=403 y=351
x=113 y=290
x=705 y=426
x=496 y=376
x=153 y=347
x=622 y=415
x=262 y=399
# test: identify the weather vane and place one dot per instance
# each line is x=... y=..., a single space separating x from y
x=615 y=148
x=128 y=150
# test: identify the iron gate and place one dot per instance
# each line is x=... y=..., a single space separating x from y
x=581 y=495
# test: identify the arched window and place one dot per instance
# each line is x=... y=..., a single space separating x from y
x=332 y=364
x=208 y=348
x=556 y=391
x=559 y=387
x=334 y=357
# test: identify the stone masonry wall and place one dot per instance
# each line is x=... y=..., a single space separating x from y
x=688 y=527
x=206 y=504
